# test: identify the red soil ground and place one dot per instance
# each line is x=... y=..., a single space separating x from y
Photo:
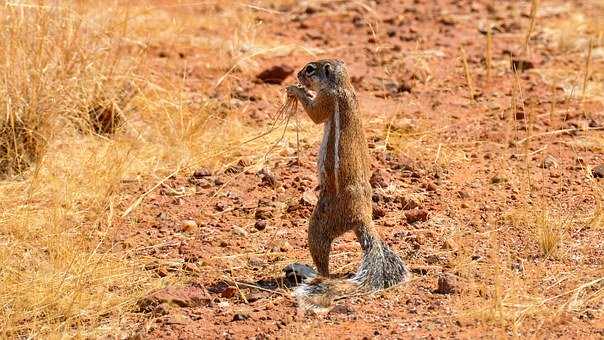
x=480 y=186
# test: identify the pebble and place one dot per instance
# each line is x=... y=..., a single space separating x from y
x=379 y=179
x=463 y=194
x=429 y=186
x=239 y=231
x=378 y=211
x=598 y=171
x=240 y=317
x=549 y=162
x=260 y=225
x=447 y=284
x=189 y=225
x=201 y=173
x=498 y=179
x=228 y=292
x=521 y=65
x=416 y=215
x=190 y=267
x=263 y=214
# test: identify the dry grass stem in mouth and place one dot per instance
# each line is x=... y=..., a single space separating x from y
x=289 y=108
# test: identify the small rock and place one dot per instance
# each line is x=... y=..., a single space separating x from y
x=267 y=177
x=476 y=258
x=375 y=197
x=218 y=181
x=310 y=10
x=234 y=169
x=447 y=284
x=260 y=225
x=275 y=74
x=432 y=259
x=498 y=179
x=240 y=316
x=463 y=194
x=309 y=198
x=201 y=173
x=342 y=309
x=429 y=186
x=228 y=292
x=191 y=296
x=521 y=65
x=407 y=203
x=379 y=179
x=191 y=267
x=162 y=271
x=188 y=225
x=263 y=214
x=549 y=162
x=416 y=215
x=598 y=171
x=239 y=231
x=378 y=212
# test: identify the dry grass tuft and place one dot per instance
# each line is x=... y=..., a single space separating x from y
x=70 y=75
x=549 y=233
x=543 y=225
x=22 y=142
x=59 y=274
x=56 y=65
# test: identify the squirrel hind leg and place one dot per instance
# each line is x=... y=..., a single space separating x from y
x=319 y=244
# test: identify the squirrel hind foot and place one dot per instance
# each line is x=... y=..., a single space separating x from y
x=296 y=273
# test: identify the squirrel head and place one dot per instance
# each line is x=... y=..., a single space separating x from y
x=326 y=74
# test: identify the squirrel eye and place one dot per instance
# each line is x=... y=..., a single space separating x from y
x=310 y=69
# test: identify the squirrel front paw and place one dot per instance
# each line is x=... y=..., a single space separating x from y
x=293 y=90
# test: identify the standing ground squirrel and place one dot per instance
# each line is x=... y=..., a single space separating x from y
x=345 y=193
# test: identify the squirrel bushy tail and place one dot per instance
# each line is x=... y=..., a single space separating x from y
x=380 y=268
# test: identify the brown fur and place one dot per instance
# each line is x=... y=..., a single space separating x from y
x=345 y=193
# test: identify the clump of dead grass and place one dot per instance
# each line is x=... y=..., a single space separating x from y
x=73 y=76
x=58 y=275
x=544 y=226
x=56 y=68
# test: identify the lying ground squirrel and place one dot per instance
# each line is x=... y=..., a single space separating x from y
x=345 y=193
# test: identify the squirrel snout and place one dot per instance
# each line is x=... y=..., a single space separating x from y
x=300 y=75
